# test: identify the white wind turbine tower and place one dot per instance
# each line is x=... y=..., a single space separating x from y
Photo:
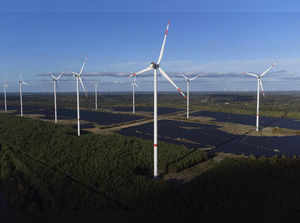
x=188 y=83
x=77 y=76
x=133 y=84
x=55 y=79
x=156 y=68
x=259 y=86
x=96 y=84
x=5 y=85
x=21 y=82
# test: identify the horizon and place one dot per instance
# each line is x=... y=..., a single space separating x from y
x=151 y=92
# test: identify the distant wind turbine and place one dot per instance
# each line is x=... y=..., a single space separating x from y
x=5 y=86
x=156 y=68
x=77 y=76
x=55 y=79
x=188 y=82
x=259 y=86
x=21 y=82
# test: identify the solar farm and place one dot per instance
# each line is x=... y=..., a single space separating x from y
x=207 y=129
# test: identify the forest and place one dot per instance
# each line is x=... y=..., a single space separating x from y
x=49 y=174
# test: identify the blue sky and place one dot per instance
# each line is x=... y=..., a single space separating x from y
x=220 y=39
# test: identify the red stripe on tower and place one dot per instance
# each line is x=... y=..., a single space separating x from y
x=155 y=145
x=134 y=74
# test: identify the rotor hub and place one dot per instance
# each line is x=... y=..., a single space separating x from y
x=155 y=65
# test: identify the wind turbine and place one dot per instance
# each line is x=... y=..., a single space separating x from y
x=77 y=76
x=133 y=84
x=156 y=68
x=55 y=79
x=21 y=82
x=4 y=89
x=259 y=86
x=188 y=83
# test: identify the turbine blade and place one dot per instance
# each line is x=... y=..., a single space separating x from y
x=141 y=71
x=51 y=75
x=170 y=80
x=261 y=87
x=185 y=77
x=163 y=44
x=84 y=62
x=82 y=85
x=134 y=83
x=252 y=74
x=267 y=70
x=195 y=77
x=61 y=74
